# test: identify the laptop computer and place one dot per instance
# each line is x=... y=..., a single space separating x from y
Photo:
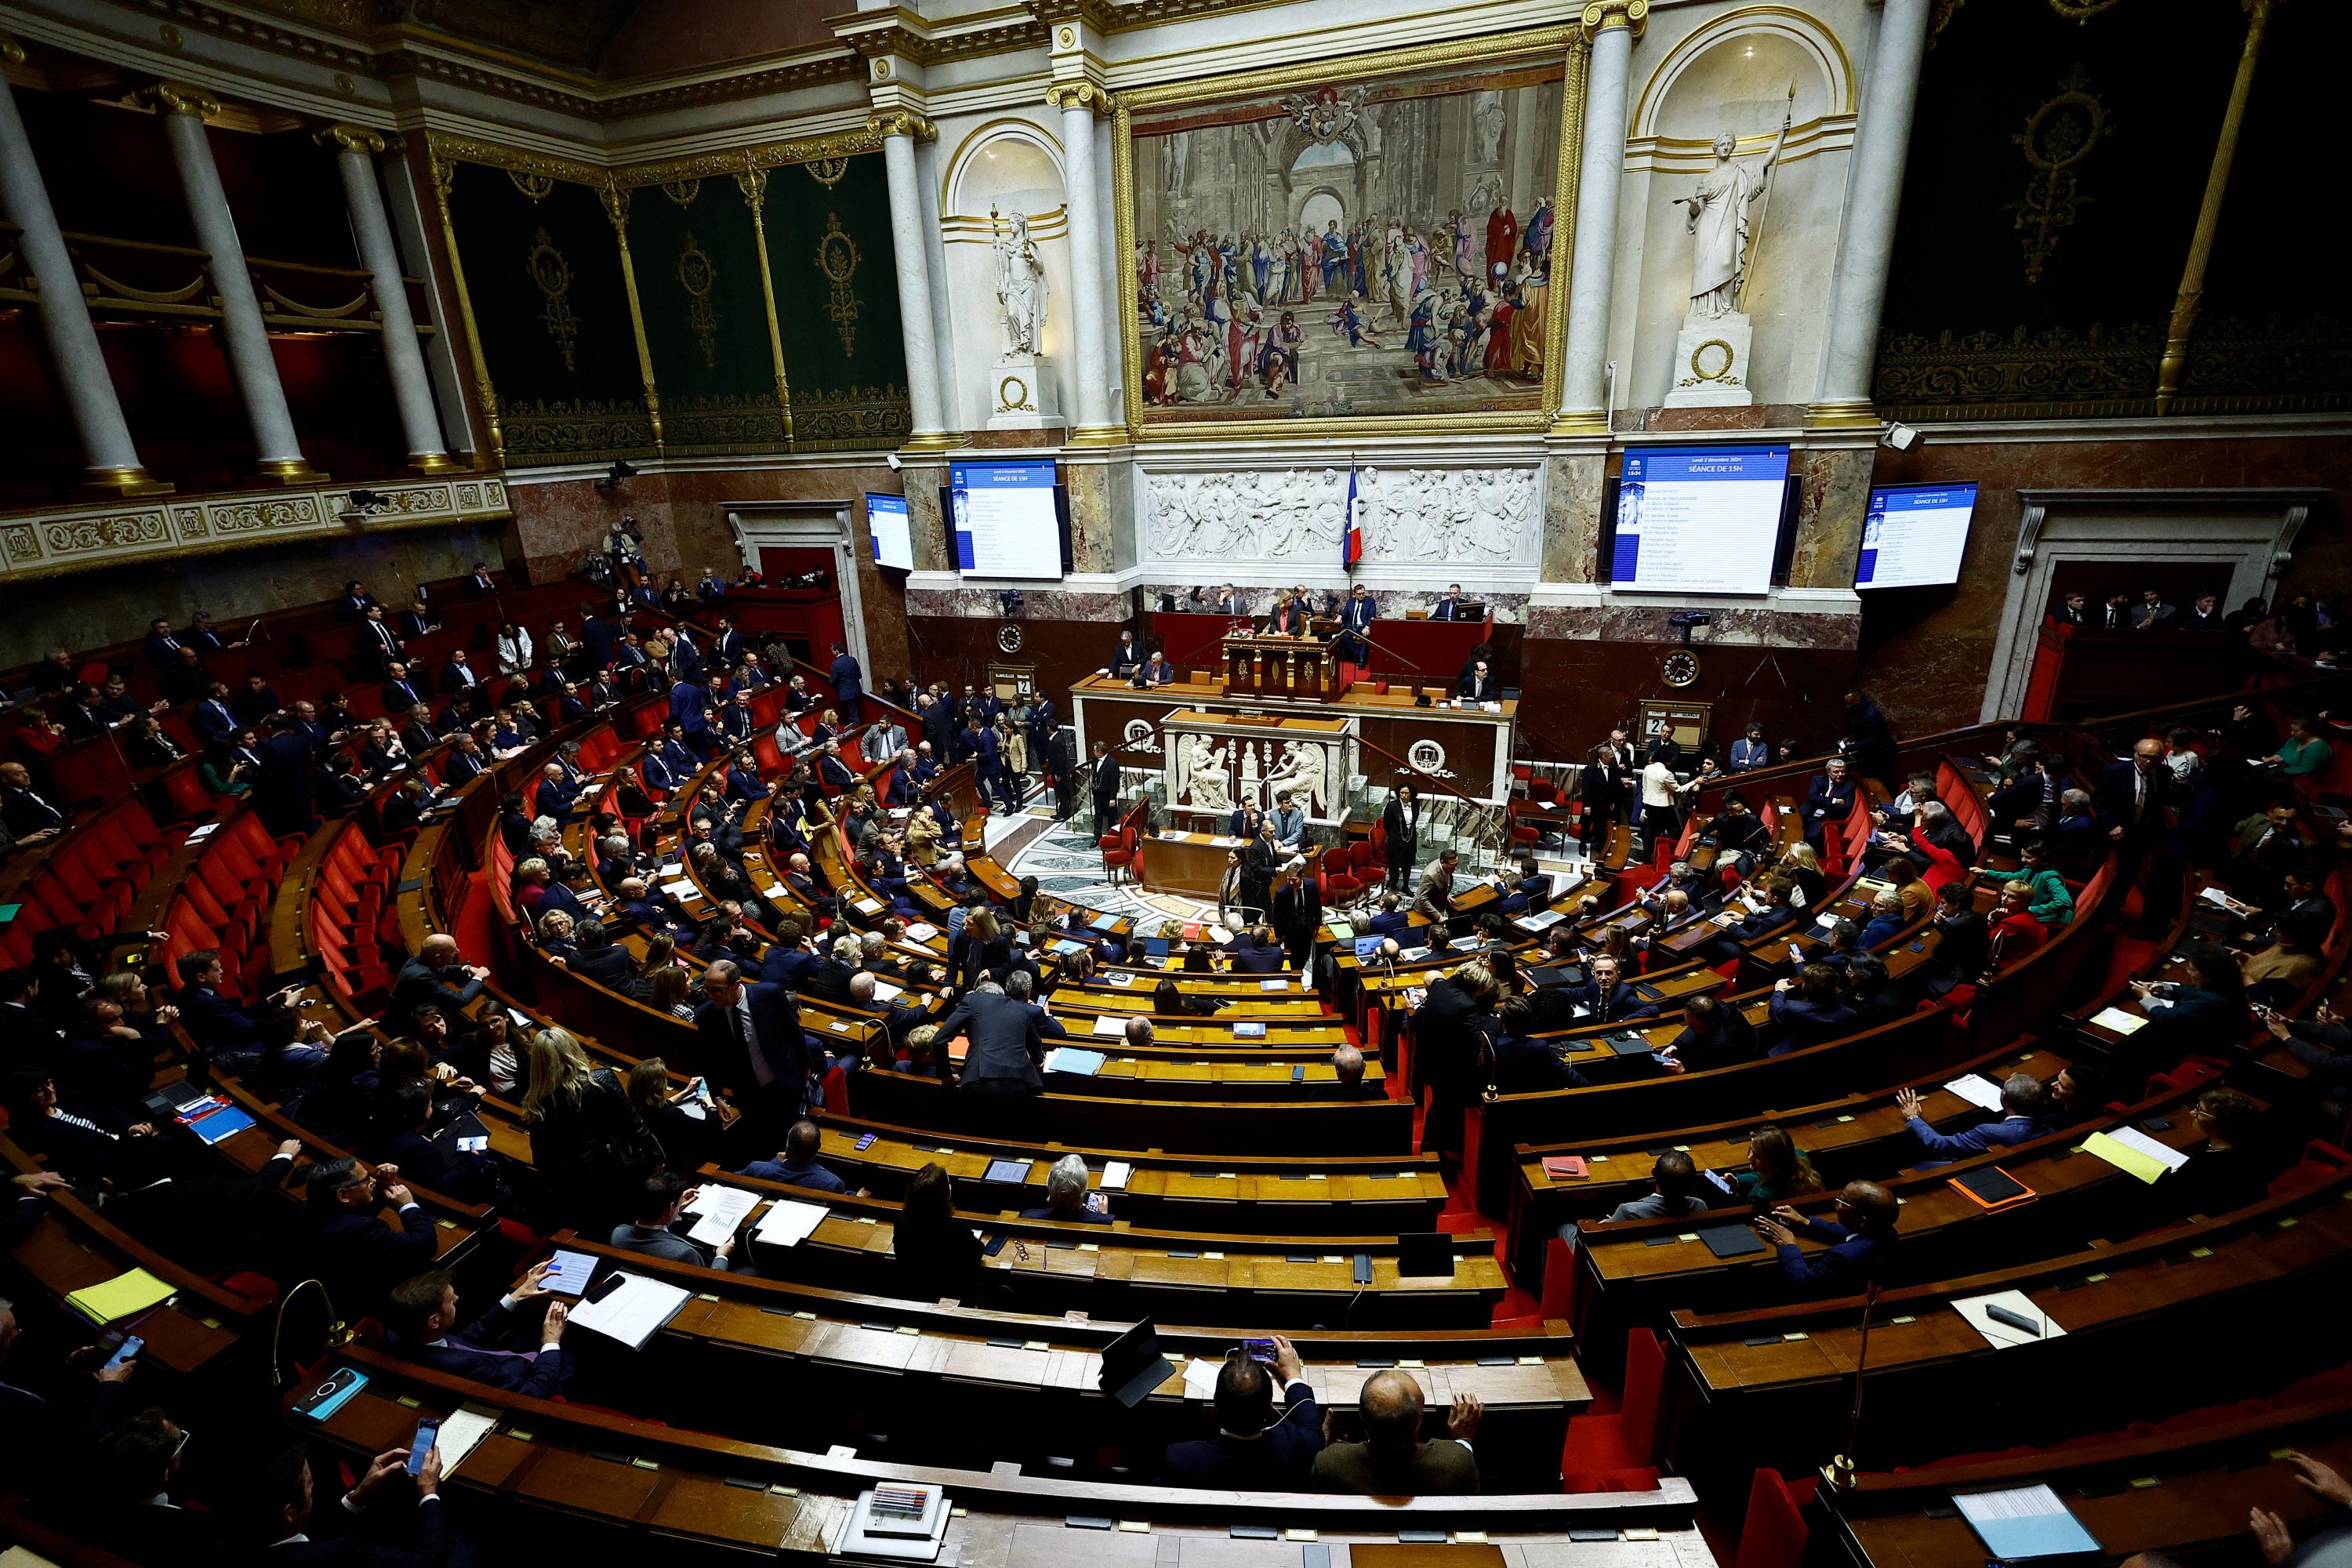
x=1132 y=1365
x=1425 y=1255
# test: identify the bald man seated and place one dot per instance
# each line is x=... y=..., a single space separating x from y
x=1392 y=1460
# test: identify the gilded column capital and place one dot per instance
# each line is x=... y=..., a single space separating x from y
x=1601 y=15
x=351 y=138
x=11 y=51
x=179 y=98
x=901 y=122
x=1080 y=95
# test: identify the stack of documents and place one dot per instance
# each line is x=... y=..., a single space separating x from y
x=788 y=1222
x=632 y=1312
x=2129 y=1149
x=720 y=1211
x=119 y=1296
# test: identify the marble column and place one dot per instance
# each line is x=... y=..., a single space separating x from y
x=1865 y=249
x=183 y=109
x=1089 y=333
x=1584 y=374
x=412 y=390
x=900 y=128
x=110 y=458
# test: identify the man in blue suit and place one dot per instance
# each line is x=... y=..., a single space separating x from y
x=1829 y=800
x=1356 y=613
x=676 y=754
x=981 y=741
x=1391 y=920
x=689 y=704
x=163 y=644
x=1252 y=1449
x=425 y=1317
x=596 y=633
x=754 y=1049
x=216 y=720
x=555 y=796
x=1861 y=1240
x=685 y=659
x=2027 y=1118
x=1607 y=998
x=1449 y=608
x=848 y=683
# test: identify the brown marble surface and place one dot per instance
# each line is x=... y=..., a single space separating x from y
x=1833 y=499
x=1572 y=520
x=1757 y=628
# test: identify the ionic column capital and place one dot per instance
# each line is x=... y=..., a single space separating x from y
x=902 y=122
x=1080 y=94
x=1605 y=16
x=351 y=138
x=179 y=98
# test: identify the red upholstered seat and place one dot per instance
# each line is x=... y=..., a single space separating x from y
x=1775 y=1534
x=1619 y=1453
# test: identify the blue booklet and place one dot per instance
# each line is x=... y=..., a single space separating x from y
x=215 y=1125
x=1071 y=1059
x=2024 y=1522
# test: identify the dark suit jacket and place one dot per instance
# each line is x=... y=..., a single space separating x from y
x=1470 y=686
x=1106 y=780
x=419 y=983
x=1275 y=1459
x=1854 y=1258
x=1005 y=1038
x=1524 y=1066
x=1976 y=1140
x=467 y=1356
x=1623 y=1001
x=1733 y=1041
x=775 y=1022
x=217 y=1024
x=1826 y=804
x=2114 y=794
x=1804 y=1023
x=1403 y=840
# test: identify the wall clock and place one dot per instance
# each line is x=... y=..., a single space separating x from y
x=1008 y=638
x=1680 y=668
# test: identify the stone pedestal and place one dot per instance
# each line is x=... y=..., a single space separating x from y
x=1022 y=394
x=1710 y=366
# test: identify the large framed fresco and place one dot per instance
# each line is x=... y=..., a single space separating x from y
x=1368 y=244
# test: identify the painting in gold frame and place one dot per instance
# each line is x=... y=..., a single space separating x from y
x=1364 y=246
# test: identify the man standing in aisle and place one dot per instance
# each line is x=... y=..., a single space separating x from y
x=1104 y=784
x=848 y=684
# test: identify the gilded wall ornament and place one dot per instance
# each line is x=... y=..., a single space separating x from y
x=2082 y=10
x=553 y=277
x=532 y=184
x=2057 y=138
x=827 y=171
x=697 y=275
x=837 y=258
x=682 y=192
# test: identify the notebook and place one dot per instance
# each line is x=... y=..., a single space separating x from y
x=224 y=1122
x=119 y=1296
x=2024 y=1522
x=629 y=1308
x=1731 y=1240
x=1564 y=1167
x=1071 y=1059
x=1993 y=1188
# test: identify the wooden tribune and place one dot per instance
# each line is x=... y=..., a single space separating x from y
x=1261 y=666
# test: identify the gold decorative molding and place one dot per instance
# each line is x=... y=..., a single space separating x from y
x=617 y=207
x=178 y=97
x=11 y=53
x=1941 y=18
x=443 y=169
x=887 y=122
x=837 y=258
x=2192 y=294
x=1602 y=16
x=753 y=183
x=1532 y=43
x=351 y=138
x=445 y=148
x=1079 y=95
x=2065 y=130
x=731 y=162
x=56 y=541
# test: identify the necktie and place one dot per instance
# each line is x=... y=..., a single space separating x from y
x=171 y=644
x=751 y=1048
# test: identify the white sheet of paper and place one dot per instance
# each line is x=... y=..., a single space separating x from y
x=460 y=1430
x=632 y=1313
x=886 y=992
x=2121 y=1022
x=1977 y=1089
x=1110 y=1025
x=921 y=930
x=2133 y=1137
x=1116 y=1175
x=1201 y=1378
x=722 y=1210
x=2000 y=1335
x=788 y=1222
x=681 y=889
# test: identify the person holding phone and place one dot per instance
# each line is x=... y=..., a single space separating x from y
x=423 y=1314
x=1253 y=1448
x=360 y=1529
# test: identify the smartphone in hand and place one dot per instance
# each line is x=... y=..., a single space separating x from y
x=427 y=1430
x=130 y=1346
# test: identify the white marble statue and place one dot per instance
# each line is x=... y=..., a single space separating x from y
x=1718 y=223
x=1487 y=116
x=1207 y=776
x=1020 y=284
x=1301 y=771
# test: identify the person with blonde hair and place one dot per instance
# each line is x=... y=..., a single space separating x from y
x=580 y=1123
x=1777 y=1170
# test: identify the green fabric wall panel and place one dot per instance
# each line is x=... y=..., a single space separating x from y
x=697 y=266
x=544 y=272
x=837 y=302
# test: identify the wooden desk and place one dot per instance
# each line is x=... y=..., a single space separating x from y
x=1266 y=665
x=1191 y=863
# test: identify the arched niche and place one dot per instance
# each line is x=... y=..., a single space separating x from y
x=1735 y=74
x=1011 y=165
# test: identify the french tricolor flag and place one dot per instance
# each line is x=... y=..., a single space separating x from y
x=1352 y=547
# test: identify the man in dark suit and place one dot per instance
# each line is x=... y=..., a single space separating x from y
x=1777 y=913
x=458 y=676
x=1861 y=1240
x=2025 y=1117
x=1005 y=1036
x=163 y=643
x=214 y=718
x=1713 y=1036
x=479 y=584
x=1829 y=800
x=686 y=660
x=355 y=602
x=754 y=1048
x=355 y=1531
x=219 y=1025
x=129 y=1472
x=1400 y=833
x=1356 y=613
x=2131 y=798
x=424 y=1313
x=1391 y=919
x=375 y=646
x=438 y=974
x=848 y=682
x=597 y=636
x=726 y=646
x=2075 y=611
x=1254 y=951
x=689 y=705
x=1103 y=784
x=1449 y=608
x=1478 y=684
x=2152 y=614
x=1125 y=659
x=1606 y=998
x=2204 y=615
x=1252 y=1450
x=340 y=1236
x=1156 y=670
x=1869 y=737
x=399 y=694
